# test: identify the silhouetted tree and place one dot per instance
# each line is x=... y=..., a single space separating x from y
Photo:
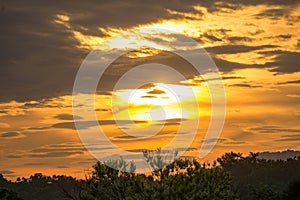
x=7 y=194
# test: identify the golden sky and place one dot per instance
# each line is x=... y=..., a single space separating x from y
x=255 y=45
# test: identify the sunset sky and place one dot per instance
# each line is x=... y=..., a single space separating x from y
x=255 y=45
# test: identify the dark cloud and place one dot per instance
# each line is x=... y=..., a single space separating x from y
x=55 y=154
x=275 y=13
x=230 y=77
x=232 y=49
x=284 y=61
x=290 y=82
x=47 y=150
x=11 y=135
x=62 y=167
x=233 y=142
x=295 y=137
x=235 y=39
x=6 y=172
x=34 y=164
x=87 y=124
x=156 y=91
x=61 y=150
x=71 y=125
x=106 y=93
x=273 y=129
x=40 y=58
x=287 y=36
x=102 y=110
x=66 y=117
x=13 y=156
x=245 y=85
x=212 y=140
x=214 y=35
x=167 y=151
x=290 y=3
x=148 y=96
x=199 y=81
x=171 y=122
x=126 y=137
x=228 y=66
x=225 y=141
x=39 y=128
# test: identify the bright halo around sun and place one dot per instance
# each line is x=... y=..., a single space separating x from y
x=154 y=79
x=157 y=103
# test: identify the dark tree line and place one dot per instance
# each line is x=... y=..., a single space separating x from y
x=255 y=178
x=232 y=176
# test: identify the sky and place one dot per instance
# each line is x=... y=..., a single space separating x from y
x=254 y=44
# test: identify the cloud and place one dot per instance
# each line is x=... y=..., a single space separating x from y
x=62 y=167
x=285 y=37
x=236 y=39
x=126 y=137
x=245 y=85
x=290 y=82
x=228 y=66
x=40 y=57
x=39 y=128
x=286 y=138
x=232 y=49
x=284 y=61
x=11 y=135
x=275 y=13
x=156 y=91
x=196 y=81
x=37 y=52
x=34 y=164
x=6 y=172
x=66 y=117
x=13 y=156
x=212 y=37
x=102 y=110
x=87 y=124
x=273 y=129
x=148 y=96
x=56 y=150
x=55 y=154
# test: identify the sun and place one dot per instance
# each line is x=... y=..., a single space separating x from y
x=157 y=103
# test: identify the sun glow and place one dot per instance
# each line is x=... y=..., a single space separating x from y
x=155 y=103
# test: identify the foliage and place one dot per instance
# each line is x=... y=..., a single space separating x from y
x=8 y=194
x=182 y=179
x=234 y=177
x=41 y=187
x=255 y=178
